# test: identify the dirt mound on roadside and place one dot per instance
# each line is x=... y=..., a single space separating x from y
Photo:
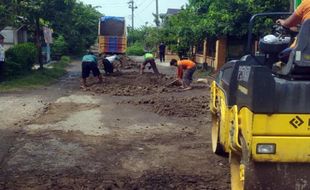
x=175 y=106
x=121 y=62
x=131 y=83
x=128 y=63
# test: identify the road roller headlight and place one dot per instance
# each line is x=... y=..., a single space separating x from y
x=266 y=148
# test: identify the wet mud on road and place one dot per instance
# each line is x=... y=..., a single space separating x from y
x=131 y=132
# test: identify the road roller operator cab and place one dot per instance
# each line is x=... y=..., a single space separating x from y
x=261 y=116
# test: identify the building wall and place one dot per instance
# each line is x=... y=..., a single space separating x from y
x=8 y=33
x=168 y=57
x=199 y=58
x=213 y=56
x=21 y=36
x=200 y=54
x=14 y=36
x=221 y=53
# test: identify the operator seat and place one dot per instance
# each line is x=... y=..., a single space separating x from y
x=298 y=65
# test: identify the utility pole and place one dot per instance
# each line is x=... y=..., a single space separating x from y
x=132 y=7
x=157 y=14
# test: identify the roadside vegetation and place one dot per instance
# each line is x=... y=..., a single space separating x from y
x=20 y=60
x=202 y=19
x=36 y=78
x=74 y=26
x=135 y=49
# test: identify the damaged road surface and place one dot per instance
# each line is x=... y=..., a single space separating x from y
x=131 y=132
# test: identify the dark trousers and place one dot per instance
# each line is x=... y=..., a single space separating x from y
x=1 y=71
x=108 y=66
x=162 y=56
x=89 y=66
x=188 y=76
x=152 y=63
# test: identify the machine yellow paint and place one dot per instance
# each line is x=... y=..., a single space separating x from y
x=219 y=110
x=240 y=130
x=288 y=149
x=280 y=125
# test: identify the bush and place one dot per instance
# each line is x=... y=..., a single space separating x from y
x=182 y=51
x=59 y=47
x=65 y=59
x=36 y=78
x=63 y=62
x=135 y=49
x=20 y=59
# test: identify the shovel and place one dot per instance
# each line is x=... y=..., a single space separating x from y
x=174 y=82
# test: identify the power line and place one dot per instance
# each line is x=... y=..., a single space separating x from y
x=114 y=5
x=143 y=9
x=151 y=1
x=141 y=3
x=109 y=4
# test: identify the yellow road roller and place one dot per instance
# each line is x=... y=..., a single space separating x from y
x=261 y=112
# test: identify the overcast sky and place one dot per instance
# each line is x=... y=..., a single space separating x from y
x=142 y=14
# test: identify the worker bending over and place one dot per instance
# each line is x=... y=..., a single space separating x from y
x=89 y=63
x=185 y=70
x=108 y=65
x=149 y=58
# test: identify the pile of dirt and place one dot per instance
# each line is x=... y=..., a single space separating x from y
x=121 y=62
x=128 y=63
x=193 y=106
x=132 y=83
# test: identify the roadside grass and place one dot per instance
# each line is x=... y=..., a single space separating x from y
x=36 y=78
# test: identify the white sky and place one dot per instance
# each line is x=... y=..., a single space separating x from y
x=142 y=14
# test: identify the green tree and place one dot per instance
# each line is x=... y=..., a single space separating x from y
x=231 y=17
x=73 y=20
x=59 y=47
x=84 y=27
x=184 y=30
x=7 y=13
x=147 y=37
x=213 y=18
x=78 y=25
x=35 y=12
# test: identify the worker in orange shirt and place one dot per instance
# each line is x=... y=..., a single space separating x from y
x=185 y=70
x=301 y=14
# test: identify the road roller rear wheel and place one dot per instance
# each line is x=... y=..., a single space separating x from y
x=217 y=148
